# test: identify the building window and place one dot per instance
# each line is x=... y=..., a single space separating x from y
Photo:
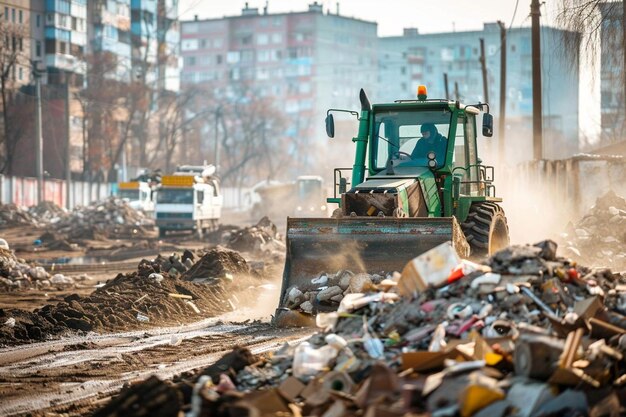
x=277 y=38
x=218 y=59
x=246 y=40
x=74 y=25
x=190 y=60
x=202 y=43
x=13 y=16
x=38 y=20
x=63 y=47
x=38 y=48
x=262 y=39
x=6 y=13
x=21 y=44
x=513 y=48
x=21 y=21
x=19 y=72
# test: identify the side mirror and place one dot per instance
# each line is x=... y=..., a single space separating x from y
x=330 y=125
x=487 y=125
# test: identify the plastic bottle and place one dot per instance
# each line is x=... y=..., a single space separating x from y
x=308 y=361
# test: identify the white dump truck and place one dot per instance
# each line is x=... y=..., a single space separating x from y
x=189 y=199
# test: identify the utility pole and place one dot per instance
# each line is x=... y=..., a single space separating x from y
x=456 y=91
x=536 y=54
x=68 y=170
x=38 y=139
x=501 y=122
x=483 y=65
x=445 y=85
x=217 y=140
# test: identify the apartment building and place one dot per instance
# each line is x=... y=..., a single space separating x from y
x=413 y=58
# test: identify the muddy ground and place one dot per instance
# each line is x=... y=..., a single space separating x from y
x=74 y=372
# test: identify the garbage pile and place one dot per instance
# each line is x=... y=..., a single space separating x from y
x=47 y=212
x=260 y=238
x=16 y=274
x=112 y=218
x=526 y=334
x=12 y=215
x=217 y=264
x=155 y=295
x=599 y=238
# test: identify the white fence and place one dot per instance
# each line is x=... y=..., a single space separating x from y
x=23 y=192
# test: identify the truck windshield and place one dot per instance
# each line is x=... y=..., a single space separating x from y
x=407 y=136
x=129 y=194
x=309 y=189
x=175 y=196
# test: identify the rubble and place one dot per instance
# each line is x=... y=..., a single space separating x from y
x=12 y=215
x=47 y=212
x=526 y=334
x=112 y=218
x=260 y=238
x=599 y=238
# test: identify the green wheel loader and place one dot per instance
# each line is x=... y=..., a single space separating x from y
x=416 y=182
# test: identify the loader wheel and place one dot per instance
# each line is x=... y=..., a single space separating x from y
x=486 y=229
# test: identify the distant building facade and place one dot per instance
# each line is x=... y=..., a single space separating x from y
x=412 y=59
x=109 y=33
x=65 y=41
x=612 y=105
x=307 y=61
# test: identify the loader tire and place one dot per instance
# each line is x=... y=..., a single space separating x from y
x=486 y=229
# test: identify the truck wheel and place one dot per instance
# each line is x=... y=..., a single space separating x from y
x=486 y=229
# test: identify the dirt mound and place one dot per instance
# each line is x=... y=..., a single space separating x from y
x=147 y=298
x=12 y=215
x=599 y=238
x=217 y=263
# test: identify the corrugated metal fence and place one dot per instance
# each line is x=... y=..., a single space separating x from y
x=23 y=192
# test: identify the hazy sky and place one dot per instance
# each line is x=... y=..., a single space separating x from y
x=392 y=15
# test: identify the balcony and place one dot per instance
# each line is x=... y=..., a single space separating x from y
x=66 y=63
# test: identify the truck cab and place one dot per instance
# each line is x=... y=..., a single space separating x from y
x=138 y=194
x=310 y=196
x=189 y=200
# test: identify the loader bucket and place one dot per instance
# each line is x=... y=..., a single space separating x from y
x=359 y=244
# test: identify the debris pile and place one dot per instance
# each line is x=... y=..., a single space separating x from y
x=16 y=274
x=155 y=295
x=47 y=212
x=12 y=215
x=260 y=238
x=599 y=238
x=526 y=334
x=112 y=218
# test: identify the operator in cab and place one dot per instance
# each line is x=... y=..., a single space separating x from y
x=431 y=140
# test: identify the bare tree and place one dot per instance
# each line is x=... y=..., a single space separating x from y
x=12 y=39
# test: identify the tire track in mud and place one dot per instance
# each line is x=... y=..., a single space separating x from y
x=60 y=374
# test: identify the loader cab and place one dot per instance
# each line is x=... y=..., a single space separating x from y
x=396 y=138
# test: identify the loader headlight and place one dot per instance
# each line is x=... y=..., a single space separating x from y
x=299 y=208
x=432 y=163
x=431 y=156
x=323 y=208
